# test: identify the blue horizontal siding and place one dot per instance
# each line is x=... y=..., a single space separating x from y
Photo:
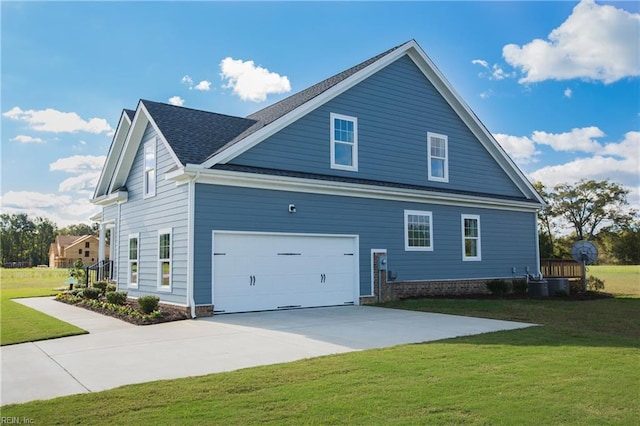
x=167 y=209
x=508 y=237
x=395 y=107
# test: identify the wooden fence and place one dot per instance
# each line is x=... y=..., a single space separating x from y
x=560 y=268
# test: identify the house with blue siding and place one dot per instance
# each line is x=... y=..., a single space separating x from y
x=376 y=183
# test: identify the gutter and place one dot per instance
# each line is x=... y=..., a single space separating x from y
x=191 y=250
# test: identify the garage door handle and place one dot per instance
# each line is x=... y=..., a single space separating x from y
x=252 y=280
x=323 y=278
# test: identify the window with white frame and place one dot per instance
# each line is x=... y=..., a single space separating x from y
x=344 y=142
x=134 y=254
x=438 y=157
x=418 y=230
x=164 y=259
x=471 y=246
x=149 y=178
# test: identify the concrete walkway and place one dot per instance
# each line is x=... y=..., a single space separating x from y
x=116 y=353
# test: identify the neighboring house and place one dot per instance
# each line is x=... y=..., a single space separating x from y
x=291 y=206
x=67 y=249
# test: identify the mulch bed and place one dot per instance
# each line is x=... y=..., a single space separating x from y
x=577 y=296
x=168 y=314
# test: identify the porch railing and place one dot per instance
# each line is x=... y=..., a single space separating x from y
x=560 y=268
x=101 y=271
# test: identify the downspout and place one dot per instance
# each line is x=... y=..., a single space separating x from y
x=191 y=250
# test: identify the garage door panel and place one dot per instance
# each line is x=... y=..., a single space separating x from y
x=269 y=271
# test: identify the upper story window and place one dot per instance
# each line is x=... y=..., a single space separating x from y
x=471 y=247
x=438 y=157
x=164 y=259
x=418 y=230
x=87 y=244
x=344 y=142
x=149 y=178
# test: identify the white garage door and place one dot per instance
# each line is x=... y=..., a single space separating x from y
x=255 y=272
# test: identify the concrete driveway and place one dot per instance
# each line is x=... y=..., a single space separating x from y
x=116 y=353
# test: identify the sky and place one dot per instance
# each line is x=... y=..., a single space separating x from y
x=556 y=83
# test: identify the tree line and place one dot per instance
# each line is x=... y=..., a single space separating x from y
x=27 y=241
x=597 y=211
x=591 y=210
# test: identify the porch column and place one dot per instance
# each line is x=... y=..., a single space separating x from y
x=101 y=251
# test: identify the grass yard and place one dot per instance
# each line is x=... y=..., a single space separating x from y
x=619 y=279
x=580 y=367
x=19 y=323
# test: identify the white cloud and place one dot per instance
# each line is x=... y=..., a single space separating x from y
x=521 y=149
x=568 y=93
x=486 y=94
x=251 y=82
x=86 y=168
x=595 y=43
x=204 y=85
x=27 y=139
x=84 y=183
x=628 y=148
x=186 y=80
x=480 y=62
x=576 y=140
x=619 y=162
x=495 y=72
x=63 y=210
x=78 y=164
x=51 y=120
x=176 y=100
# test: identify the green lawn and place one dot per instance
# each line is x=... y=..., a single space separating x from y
x=621 y=280
x=580 y=367
x=19 y=323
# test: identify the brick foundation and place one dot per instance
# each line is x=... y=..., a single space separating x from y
x=397 y=290
x=204 y=310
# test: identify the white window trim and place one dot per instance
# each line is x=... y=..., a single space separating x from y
x=446 y=157
x=151 y=190
x=354 y=158
x=464 y=238
x=406 y=230
x=129 y=261
x=170 y=260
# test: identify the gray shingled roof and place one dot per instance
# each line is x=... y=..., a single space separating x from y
x=129 y=113
x=194 y=134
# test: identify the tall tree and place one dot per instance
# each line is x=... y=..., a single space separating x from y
x=591 y=206
x=545 y=223
x=45 y=234
x=79 y=229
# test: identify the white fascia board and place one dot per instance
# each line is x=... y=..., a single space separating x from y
x=112 y=156
x=279 y=124
x=345 y=189
x=113 y=198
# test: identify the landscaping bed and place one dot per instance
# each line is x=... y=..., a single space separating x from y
x=129 y=311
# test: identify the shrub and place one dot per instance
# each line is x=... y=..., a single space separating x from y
x=91 y=293
x=519 y=287
x=498 y=287
x=101 y=285
x=117 y=297
x=594 y=283
x=148 y=303
x=111 y=287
